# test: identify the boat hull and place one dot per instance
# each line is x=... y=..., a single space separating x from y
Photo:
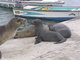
x=51 y=15
x=48 y=18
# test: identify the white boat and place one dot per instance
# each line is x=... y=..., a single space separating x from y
x=47 y=9
x=51 y=13
x=43 y=3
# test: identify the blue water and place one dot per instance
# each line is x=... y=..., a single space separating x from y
x=6 y=15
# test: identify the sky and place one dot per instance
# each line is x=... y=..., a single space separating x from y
x=69 y=2
x=72 y=2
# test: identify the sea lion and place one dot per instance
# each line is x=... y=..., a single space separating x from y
x=46 y=35
x=8 y=31
x=60 y=28
x=29 y=31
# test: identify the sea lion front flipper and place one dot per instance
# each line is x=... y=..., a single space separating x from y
x=0 y=54
x=38 y=40
x=62 y=39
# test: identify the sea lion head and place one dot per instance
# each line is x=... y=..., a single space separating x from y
x=17 y=22
x=51 y=27
x=37 y=22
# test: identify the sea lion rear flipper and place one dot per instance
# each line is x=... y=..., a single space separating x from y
x=38 y=40
x=62 y=39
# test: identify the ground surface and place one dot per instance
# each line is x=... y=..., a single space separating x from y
x=24 y=49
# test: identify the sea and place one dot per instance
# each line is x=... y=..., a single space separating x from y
x=6 y=14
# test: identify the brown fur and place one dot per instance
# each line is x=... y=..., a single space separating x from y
x=8 y=31
x=28 y=32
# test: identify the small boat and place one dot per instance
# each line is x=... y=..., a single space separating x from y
x=46 y=9
x=43 y=3
x=51 y=13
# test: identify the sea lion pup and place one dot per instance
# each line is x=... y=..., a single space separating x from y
x=8 y=31
x=60 y=28
x=46 y=35
x=29 y=31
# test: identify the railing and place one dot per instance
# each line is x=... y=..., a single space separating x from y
x=7 y=3
x=8 y=0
